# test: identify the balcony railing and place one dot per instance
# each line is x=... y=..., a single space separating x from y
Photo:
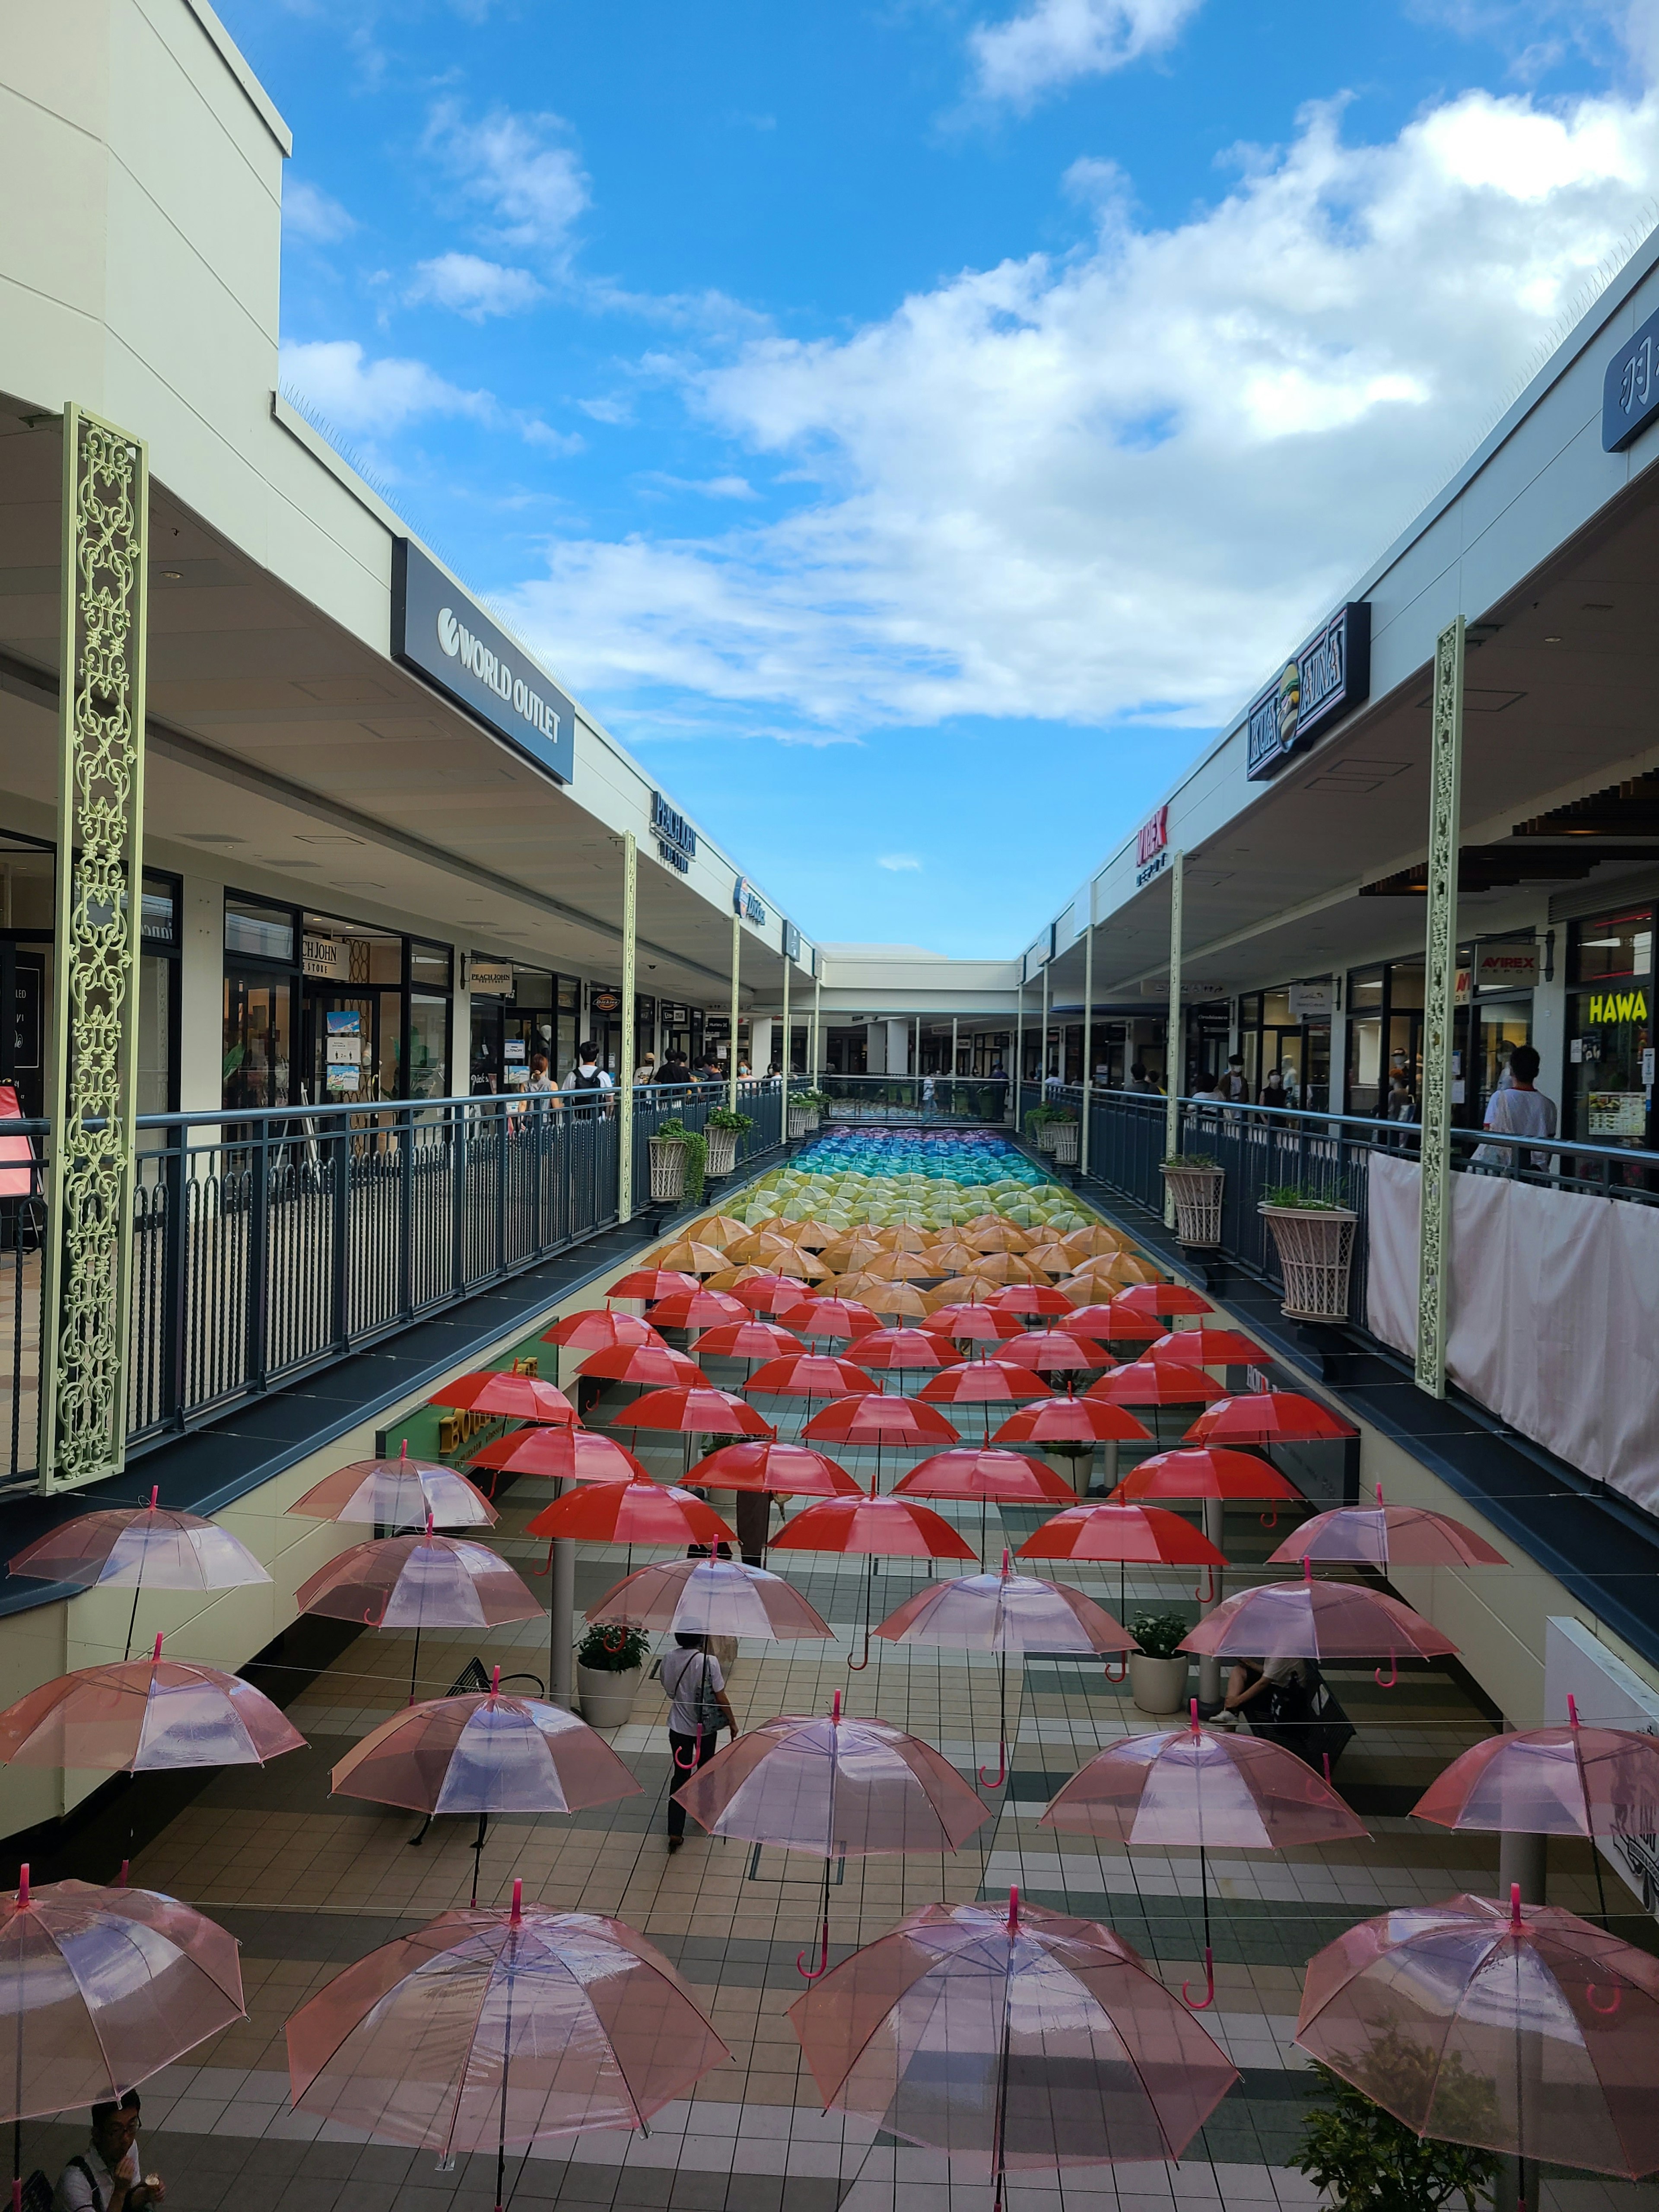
x=268 y=1245
x=919 y=1098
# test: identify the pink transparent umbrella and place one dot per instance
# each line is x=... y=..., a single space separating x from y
x=145 y=1714
x=99 y=1990
x=1203 y=1786
x=1372 y=1535
x=483 y=1754
x=1015 y=2040
x=1004 y=1612
x=1520 y=2028
x=496 y=2030
x=710 y=1598
x=130 y=1546
x=1318 y=1620
x=837 y=1788
x=398 y=1494
x=420 y=1582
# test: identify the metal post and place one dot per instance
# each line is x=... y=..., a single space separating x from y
x=817 y=1034
x=1088 y=1032
x=1043 y=1056
x=562 y=1624
x=1017 y=1073
x=1521 y=1859
x=732 y=1048
x=625 y=1103
x=1439 y=993
x=787 y=1054
x=1209 y=1667
x=1172 y=1031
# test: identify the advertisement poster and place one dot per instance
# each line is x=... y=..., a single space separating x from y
x=345 y=1053
x=1618 y=1113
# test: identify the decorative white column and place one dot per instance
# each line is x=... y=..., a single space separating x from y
x=731 y=1048
x=625 y=1084
x=1173 y=1038
x=1088 y=1031
x=1439 y=999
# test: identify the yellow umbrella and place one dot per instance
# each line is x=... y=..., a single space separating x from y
x=1096 y=1240
x=814 y=1235
x=953 y=1257
x=686 y=1258
x=764 y=1248
x=850 y=1253
x=719 y=1230
x=1053 y=1259
x=901 y=1237
x=961 y=1291
x=1003 y=1238
x=1104 y=1275
x=884 y=1297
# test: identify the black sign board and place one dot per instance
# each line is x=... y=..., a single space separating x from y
x=677 y=841
x=445 y=636
x=1630 y=389
x=604 y=1001
x=790 y=941
x=1327 y=674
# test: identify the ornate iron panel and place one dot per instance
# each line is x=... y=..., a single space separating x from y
x=1439 y=991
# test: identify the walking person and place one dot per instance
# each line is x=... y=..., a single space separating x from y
x=586 y=1074
x=1518 y=1109
x=698 y=1708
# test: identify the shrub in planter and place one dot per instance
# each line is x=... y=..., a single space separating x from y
x=1313 y=1238
x=610 y=1667
x=1366 y=2161
x=813 y=1104
x=680 y=1161
x=1040 y=1125
x=1195 y=1184
x=721 y=1130
x=1158 y=1671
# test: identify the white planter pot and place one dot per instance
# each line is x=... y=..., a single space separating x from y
x=1045 y=1136
x=1196 y=1193
x=606 y=1698
x=1315 y=1253
x=1159 y=1686
x=667 y=1168
x=722 y=1150
x=801 y=1120
x=1063 y=1141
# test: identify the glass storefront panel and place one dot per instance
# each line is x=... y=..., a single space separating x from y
x=428 y=1047
x=155 y=1028
x=1610 y=1065
x=265 y=931
x=258 y=1040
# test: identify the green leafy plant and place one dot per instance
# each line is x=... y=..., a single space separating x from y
x=674 y=1132
x=1159 y=1634
x=1188 y=1160
x=1368 y=2161
x=1295 y=1199
x=727 y=1117
x=608 y=1649
x=814 y=1102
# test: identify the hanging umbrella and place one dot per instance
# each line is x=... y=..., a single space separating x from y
x=902 y=1301
x=630 y=1513
x=419 y=1581
x=709 y=1597
x=647 y=1367
x=848 y=1254
x=687 y=1258
x=997 y=1236
x=791 y=1470
x=1120 y=1271
x=1209 y=1347
x=810 y=1375
x=996 y=1382
x=765 y=1292
x=1144 y=1533
x=496 y=2030
x=877 y=1418
x=688 y=1413
x=697 y=1309
x=899 y=1351
x=979 y=1323
x=1053 y=1258
x=650 y=1283
x=1267 y=1417
x=951 y=1256
x=143 y=1715
x=563 y=1454
x=904 y=1237
x=126 y=1546
x=748 y=1341
x=595 y=1330
x=872 y=1527
x=1061 y=1421
x=1109 y=1324
x=1523 y=2029
x=1206 y=1472
x=1159 y=1382
x=1056 y=1351
x=480 y=1754
x=1003 y=1478
x=1095 y=1241
x=1327 y=1621
x=1210 y=1787
x=830 y=1317
x=100 y=1988
x=898 y=1268
x=511 y=1397
x=1409 y=1535
x=958 y=1292
x=1005 y=1269
x=1027 y=1298
x=836 y=1788
x=766 y=1247
x=1164 y=1300
x=400 y=1493
x=1003 y=1612
x=719 y=1229
x=812 y=1235
x=1014 y=2041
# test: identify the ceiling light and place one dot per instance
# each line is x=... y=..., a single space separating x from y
x=1552 y=640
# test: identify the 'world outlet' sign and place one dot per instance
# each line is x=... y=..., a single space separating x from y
x=443 y=635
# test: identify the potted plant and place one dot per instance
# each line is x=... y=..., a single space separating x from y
x=721 y=1130
x=1314 y=1236
x=1193 y=1181
x=806 y=1110
x=1039 y=1122
x=679 y=1159
x=1158 y=1671
x=1063 y=1132
x=610 y=1667
x=1366 y=2161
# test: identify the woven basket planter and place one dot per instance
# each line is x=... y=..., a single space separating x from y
x=802 y=1121
x=1316 y=1253
x=1196 y=1193
x=1045 y=1136
x=722 y=1150
x=667 y=1170
x=1062 y=1143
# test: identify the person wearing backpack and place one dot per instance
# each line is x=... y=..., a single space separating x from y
x=698 y=1708
x=586 y=1074
x=104 y=2177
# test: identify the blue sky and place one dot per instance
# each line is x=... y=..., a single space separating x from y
x=912 y=427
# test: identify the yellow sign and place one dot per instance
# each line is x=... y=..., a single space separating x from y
x=1619 y=1006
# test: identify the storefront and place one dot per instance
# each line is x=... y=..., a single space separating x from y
x=680 y=1033
x=1496 y=980
x=1287 y=1032
x=1608 y=1079
x=517 y=1012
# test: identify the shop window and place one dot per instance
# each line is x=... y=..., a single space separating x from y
x=1622 y=945
x=533 y=989
x=259 y=932
x=429 y=1046
x=158 y=997
x=431 y=967
x=1610 y=1062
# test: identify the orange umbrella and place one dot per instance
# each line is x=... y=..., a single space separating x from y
x=813 y=1236
x=898 y=1268
x=513 y=1397
x=690 y=1259
x=953 y=1257
x=996 y=1235
x=902 y=1237
x=971 y=1289
x=1007 y=1268
x=1116 y=1273
x=901 y=1298
x=849 y=1252
x=650 y=1283
x=1093 y=1242
x=765 y=1248
x=719 y=1230
x=1053 y=1258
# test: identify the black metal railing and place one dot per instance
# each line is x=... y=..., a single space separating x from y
x=928 y=1098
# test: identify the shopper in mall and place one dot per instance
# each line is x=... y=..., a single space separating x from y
x=647 y=1070
x=104 y=2177
x=586 y=1074
x=1518 y=1109
x=698 y=1709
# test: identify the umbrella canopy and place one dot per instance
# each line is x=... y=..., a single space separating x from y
x=1156 y=1382
x=1094 y=1241
x=1205 y=1472
x=1004 y=1612
x=812 y=1236
x=1005 y=1267
x=1570 y=1781
x=973 y=1473
x=101 y=1988
x=404 y=1492
x=810 y=1374
x=1316 y=1620
x=145 y=1713
x=747 y=1339
x=877 y=1419
x=484 y=1754
x=1056 y=1351
x=831 y=1317
x=1143 y=1534
x=791 y=1470
x=647 y=1367
x=983 y=1382
x=495 y=2030
x=693 y=1413
x=969 y=1289
x=697 y=1309
x=951 y=1256
x=993 y=1234
x=564 y=1455
x=1110 y=1324
x=1115 y=1271
x=845 y=1255
x=649 y=1283
x=511 y=1397
x=141 y=1547
x=719 y=1230
x=1266 y=1417
x=595 y=1331
x=1164 y=1300
x=1053 y=1258
x=1071 y=1421
x=1213 y=1787
x=903 y=1300
x=1031 y=1299
x=898 y=1268
x=631 y=1513
x=763 y=1293
x=767 y=1247
x=1013 y=2041
x=688 y=1258
x=1209 y=1347
x=1521 y=2028
x=1409 y=1535
x=875 y=1528
x=710 y=1598
x=979 y=1322
x=418 y=1582
x=891 y=1351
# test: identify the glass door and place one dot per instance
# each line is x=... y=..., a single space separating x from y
x=258 y=1040
x=23 y=1039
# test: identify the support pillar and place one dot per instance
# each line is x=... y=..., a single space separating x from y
x=731 y=1049
x=1439 y=999
x=787 y=1055
x=1088 y=1032
x=625 y=1074
x=1043 y=1056
x=1016 y=1072
x=92 y=1096
x=955 y=1020
x=1173 y=1038
x=561 y=1624
x=817 y=1033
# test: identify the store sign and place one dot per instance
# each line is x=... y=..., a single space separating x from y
x=1328 y=675
x=489 y=979
x=1630 y=388
x=675 y=1017
x=326 y=959
x=1312 y=1002
x=1619 y=1006
x=677 y=841
x=1506 y=968
x=1152 y=848
x=745 y=901
x=790 y=941
x=605 y=1002
x=445 y=636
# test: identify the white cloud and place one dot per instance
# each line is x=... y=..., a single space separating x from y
x=310 y=214
x=516 y=167
x=474 y=288
x=1116 y=483
x=374 y=397
x=898 y=863
x=1051 y=42
x=707 y=487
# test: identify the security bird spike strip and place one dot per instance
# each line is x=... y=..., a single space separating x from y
x=1197 y=1785
x=836 y=1788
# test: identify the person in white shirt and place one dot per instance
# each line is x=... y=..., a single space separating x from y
x=104 y=2177
x=586 y=1074
x=698 y=1708
x=1518 y=1110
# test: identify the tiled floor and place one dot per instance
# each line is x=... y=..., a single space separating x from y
x=308 y=1882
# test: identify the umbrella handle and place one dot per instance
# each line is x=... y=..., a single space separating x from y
x=1122 y=1675
x=1391 y=1681
x=546 y=1566
x=690 y=1765
x=1206 y=1595
x=816 y=1973
x=1270 y=1520
x=1607 y=2011
x=1002 y=1766
x=1209 y=1986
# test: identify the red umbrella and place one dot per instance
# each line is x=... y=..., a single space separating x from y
x=1144 y=1533
x=563 y=1454
x=648 y=1367
x=1110 y=1325
x=1162 y=1301
x=878 y=1420
x=1158 y=1383
x=694 y=1413
x=1071 y=1421
x=594 y=1330
x=791 y=1470
x=1209 y=1347
x=894 y=1350
x=747 y=1339
x=697 y=1309
x=979 y=1323
x=1206 y=1472
x=810 y=1375
x=873 y=1527
x=983 y=1382
x=1327 y=1621
x=1002 y=1477
x=769 y=1294
x=1056 y=1351
x=631 y=1513
x=145 y=1713
x=511 y=1397
x=833 y=1318
x=650 y=1283
x=1266 y=1417
x=1031 y=1299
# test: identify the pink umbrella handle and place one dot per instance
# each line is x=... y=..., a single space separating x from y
x=1002 y=1766
x=1391 y=1680
x=1607 y=2011
x=816 y=1973
x=121 y=1878
x=690 y=1765
x=1206 y=1595
x=1209 y=1985
x=546 y=1567
x=1122 y=1674
x=154 y=1497
x=1270 y=1520
x=1326 y=1757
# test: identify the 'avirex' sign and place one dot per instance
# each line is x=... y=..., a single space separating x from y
x=1323 y=679
x=444 y=635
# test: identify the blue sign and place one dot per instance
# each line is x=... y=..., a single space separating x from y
x=1323 y=679
x=746 y=901
x=677 y=841
x=1630 y=390
x=445 y=636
